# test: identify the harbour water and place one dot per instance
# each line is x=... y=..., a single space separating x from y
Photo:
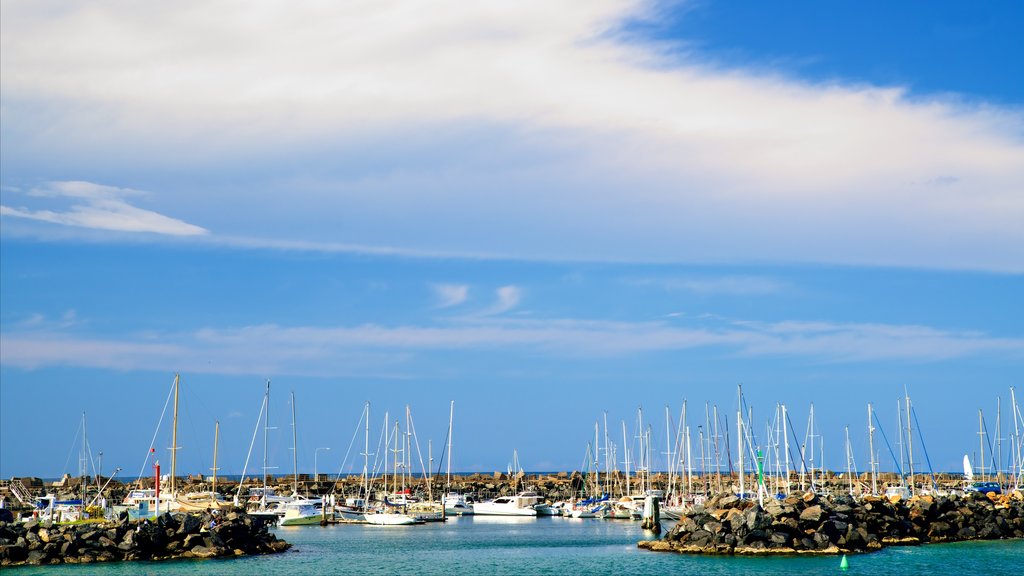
x=562 y=546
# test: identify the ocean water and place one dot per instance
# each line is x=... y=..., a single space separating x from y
x=560 y=546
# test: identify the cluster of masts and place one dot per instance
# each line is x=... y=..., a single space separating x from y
x=698 y=459
x=779 y=462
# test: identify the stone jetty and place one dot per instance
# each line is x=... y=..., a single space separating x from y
x=168 y=536
x=810 y=524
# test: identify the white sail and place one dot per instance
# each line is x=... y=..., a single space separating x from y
x=968 y=471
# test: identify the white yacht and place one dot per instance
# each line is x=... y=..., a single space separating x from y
x=302 y=513
x=521 y=504
x=456 y=505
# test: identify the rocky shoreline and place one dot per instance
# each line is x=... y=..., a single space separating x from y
x=170 y=536
x=841 y=525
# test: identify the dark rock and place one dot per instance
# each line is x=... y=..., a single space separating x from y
x=35 y=557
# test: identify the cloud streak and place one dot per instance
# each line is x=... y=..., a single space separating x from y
x=101 y=207
x=328 y=351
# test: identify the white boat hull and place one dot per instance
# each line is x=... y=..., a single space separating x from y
x=485 y=509
x=389 y=519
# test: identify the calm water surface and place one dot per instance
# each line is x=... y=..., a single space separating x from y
x=490 y=545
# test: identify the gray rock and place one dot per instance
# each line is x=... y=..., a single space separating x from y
x=812 y=514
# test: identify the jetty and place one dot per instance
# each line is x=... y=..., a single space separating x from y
x=809 y=524
x=169 y=536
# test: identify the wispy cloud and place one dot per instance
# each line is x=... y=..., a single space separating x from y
x=726 y=285
x=378 y=349
x=449 y=295
x=100 y=207
x=507 y=298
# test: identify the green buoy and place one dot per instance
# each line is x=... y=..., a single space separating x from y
x=844 y=563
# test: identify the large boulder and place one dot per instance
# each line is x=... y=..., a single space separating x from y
x=812 y=514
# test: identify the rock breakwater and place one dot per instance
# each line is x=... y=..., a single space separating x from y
x=168 y=536
x=811 y=524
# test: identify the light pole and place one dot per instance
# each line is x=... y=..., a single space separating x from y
x=315 y=454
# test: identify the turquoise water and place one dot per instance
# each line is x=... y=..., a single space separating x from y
x=545 y=546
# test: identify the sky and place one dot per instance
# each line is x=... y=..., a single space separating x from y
x=545 y=212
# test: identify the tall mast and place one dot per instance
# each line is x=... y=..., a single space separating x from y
x=174 y=436
x=686 y=454
x=642 y=463
x=810 y=431
x=718 y=453
x=739 y=434
x=910 y=442
x=999 y=441
x=785 y=443
x=703 y=469
x=871 y=448
x=689 y=463
x=83 y=462
x=266 y=433
x=607 y=457
x=625 y=449
x=366 y=459
x=849 y=473
x=899 y=421
x=668 y=449
x=451 y=418
x=1015 y=413
x=981 y=443
x=216 y=442
x=295 y=450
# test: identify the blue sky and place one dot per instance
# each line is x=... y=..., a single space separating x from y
x=543 y=214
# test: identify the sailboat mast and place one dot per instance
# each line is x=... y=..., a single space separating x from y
x=910 y=443
x=451 y=418
x=626 y=450
x=849 y=473
x=174 y=436
x=216 y=442
x=739 y=434
x=999 y=440
x=899 y=422
x=83 y=462
x=871 y=448
x=607 y=457
x=981 y=443
x=295 y=450
x=1015 y=413
x=785 y=443
x=642 y=463
x=366 y=458
x=266 y=432
x=718 y=452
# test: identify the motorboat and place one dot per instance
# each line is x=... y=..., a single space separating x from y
x=521 y=504
x=456 y=505
x=302 y=513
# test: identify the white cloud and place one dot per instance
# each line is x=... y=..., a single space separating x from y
x=507 y=298
x=449 y=295
x=389 y=350
x=449 y=127
x=729 y=285
x=103 y=208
